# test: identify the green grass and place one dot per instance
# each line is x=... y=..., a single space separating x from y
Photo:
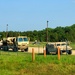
x=73 y=45
x=20 y=63
x=41 y=44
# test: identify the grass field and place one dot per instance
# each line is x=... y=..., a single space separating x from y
x=20 y=63
x=73 y=45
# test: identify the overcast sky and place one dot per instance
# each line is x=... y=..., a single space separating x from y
x=29 y=15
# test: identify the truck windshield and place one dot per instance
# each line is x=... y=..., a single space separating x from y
x=20 y=39
x=25 y=39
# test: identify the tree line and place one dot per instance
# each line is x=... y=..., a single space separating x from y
x=54 y=34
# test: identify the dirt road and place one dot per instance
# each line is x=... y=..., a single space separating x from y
x=40 y=50
x=73 y=52
x=36 y=49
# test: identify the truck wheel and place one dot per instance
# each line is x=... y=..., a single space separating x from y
x=5 y=48
x=47 y=51
x=70 y=52
x=15 y=49
x=26 y=49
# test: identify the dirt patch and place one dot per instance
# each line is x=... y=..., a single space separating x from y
x=36 y=49
x=73 y=52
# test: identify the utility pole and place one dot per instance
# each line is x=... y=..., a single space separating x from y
x=6 y=30
x=47 y=31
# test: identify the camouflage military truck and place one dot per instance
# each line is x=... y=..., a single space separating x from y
x=15 y=43
x=64 y=47
x=8 y=44
x=1 y=44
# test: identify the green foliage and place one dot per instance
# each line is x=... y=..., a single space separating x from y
x=72 y=44
x=56 y=34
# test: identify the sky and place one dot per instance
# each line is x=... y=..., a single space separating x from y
x=29 y=15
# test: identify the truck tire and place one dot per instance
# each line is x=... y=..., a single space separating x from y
x=5 y=48
x=70 y=52
x=26 y=49
x=47 y=51
x=15 y=49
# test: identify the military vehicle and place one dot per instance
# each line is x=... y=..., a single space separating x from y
x=15 y=43
x=22 y=43
x=1 y=44
x=53 y=47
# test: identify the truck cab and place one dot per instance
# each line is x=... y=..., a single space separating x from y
x=22 y=43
